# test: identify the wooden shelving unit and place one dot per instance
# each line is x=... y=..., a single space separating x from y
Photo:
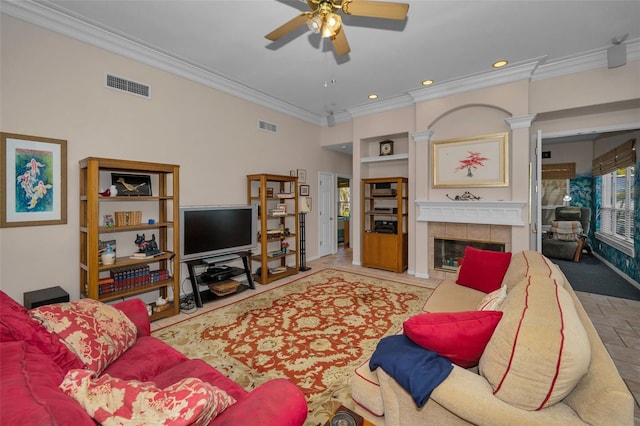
x=268 y=191
x=385 y=223
x=163 y=205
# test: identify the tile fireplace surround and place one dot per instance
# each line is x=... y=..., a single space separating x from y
x=473 y=221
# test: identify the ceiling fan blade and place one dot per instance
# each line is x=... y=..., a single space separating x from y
x=287 y=27
x=376 y=9
x=340 y=43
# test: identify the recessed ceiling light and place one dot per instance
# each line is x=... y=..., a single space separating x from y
x=427 y=82
x=500 y=64
x=373 y=96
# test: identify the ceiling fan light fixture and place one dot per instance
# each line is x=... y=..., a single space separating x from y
x=315 y=24
x=501 y=63
x=331 y=24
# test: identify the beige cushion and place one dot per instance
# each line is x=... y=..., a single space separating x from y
x=452 y=297
x=539 y=351
x=526 y=263
x=365 y=389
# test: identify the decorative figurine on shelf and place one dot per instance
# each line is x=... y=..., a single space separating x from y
x=148 y=247
x=467 y=196
x=109 y=256
x=111 y=192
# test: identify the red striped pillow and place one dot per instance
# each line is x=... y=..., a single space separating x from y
x=540 y=350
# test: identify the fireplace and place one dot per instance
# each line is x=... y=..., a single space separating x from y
x=482 y=236
x=447 y=253
x=484 y=222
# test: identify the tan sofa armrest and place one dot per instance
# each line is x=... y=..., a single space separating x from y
x=465 y=398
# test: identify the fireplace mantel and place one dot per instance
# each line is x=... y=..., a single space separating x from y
x=482 y=212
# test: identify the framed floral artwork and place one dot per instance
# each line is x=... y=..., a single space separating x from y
x=479 y=161
x=33 y=179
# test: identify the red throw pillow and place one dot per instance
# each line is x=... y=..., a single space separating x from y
x=459 y=336
x=483 y=270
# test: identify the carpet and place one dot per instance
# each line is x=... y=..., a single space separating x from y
x=590 y=275
x=314 y=331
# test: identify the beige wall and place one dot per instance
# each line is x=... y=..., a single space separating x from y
x=580 y=153
x=52 y=86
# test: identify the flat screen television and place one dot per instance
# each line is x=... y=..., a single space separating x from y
x=208 y=231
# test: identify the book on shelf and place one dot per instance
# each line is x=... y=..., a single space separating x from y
x=139 y=255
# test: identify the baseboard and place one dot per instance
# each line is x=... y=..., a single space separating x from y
x=422 y=275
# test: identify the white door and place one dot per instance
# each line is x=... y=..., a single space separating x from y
x=327 y=212
x=535 y=202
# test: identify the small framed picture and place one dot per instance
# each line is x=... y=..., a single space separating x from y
x=109 y=221
x=304 y=190
x=302 y=176
x=293 y=173
x=132 y=185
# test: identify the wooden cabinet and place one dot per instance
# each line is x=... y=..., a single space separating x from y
x=160 y=203
x=385 y=223
x=277 y=200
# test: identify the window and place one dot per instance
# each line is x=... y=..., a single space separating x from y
x=344 y=205
x=616 y=212
x=553 y=192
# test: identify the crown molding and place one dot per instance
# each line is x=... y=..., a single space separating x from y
x=506 y=75
x=339 y=117
x=585 y=62
x=47 y=17
x=384 y=105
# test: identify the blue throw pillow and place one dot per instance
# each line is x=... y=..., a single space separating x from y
x=416 y=369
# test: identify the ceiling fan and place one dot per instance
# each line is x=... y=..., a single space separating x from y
x=323 y=18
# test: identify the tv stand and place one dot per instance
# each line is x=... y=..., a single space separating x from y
x=205 y=272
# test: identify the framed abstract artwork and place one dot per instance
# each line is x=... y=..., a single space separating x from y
x=33 y=176
x=479 y=161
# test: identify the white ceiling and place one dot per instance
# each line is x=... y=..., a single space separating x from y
x=447 y=41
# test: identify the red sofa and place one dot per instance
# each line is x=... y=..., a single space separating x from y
x=33 y=363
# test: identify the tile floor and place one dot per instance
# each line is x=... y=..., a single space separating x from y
x=617 y=320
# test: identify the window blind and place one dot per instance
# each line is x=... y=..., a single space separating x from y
x=559 y=171
x=618 y=158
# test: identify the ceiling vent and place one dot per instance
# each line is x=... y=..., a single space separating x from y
x=267 y=127
x=124 y=85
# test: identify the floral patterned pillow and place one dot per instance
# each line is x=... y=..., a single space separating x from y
x=97 y=333
x=113 y=401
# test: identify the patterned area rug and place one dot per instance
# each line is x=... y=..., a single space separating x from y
x=314 y=331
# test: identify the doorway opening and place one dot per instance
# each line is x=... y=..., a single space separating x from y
x=344 y=212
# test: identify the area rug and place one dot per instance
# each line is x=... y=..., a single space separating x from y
x=314 y=331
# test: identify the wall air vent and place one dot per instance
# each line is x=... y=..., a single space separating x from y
x=124 y=85
x=267 y=127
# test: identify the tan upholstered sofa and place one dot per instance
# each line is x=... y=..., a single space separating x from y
x=544 y=352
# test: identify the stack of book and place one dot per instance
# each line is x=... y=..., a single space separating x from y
x=130 y=277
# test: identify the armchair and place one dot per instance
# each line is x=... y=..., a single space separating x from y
x=569 y=229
